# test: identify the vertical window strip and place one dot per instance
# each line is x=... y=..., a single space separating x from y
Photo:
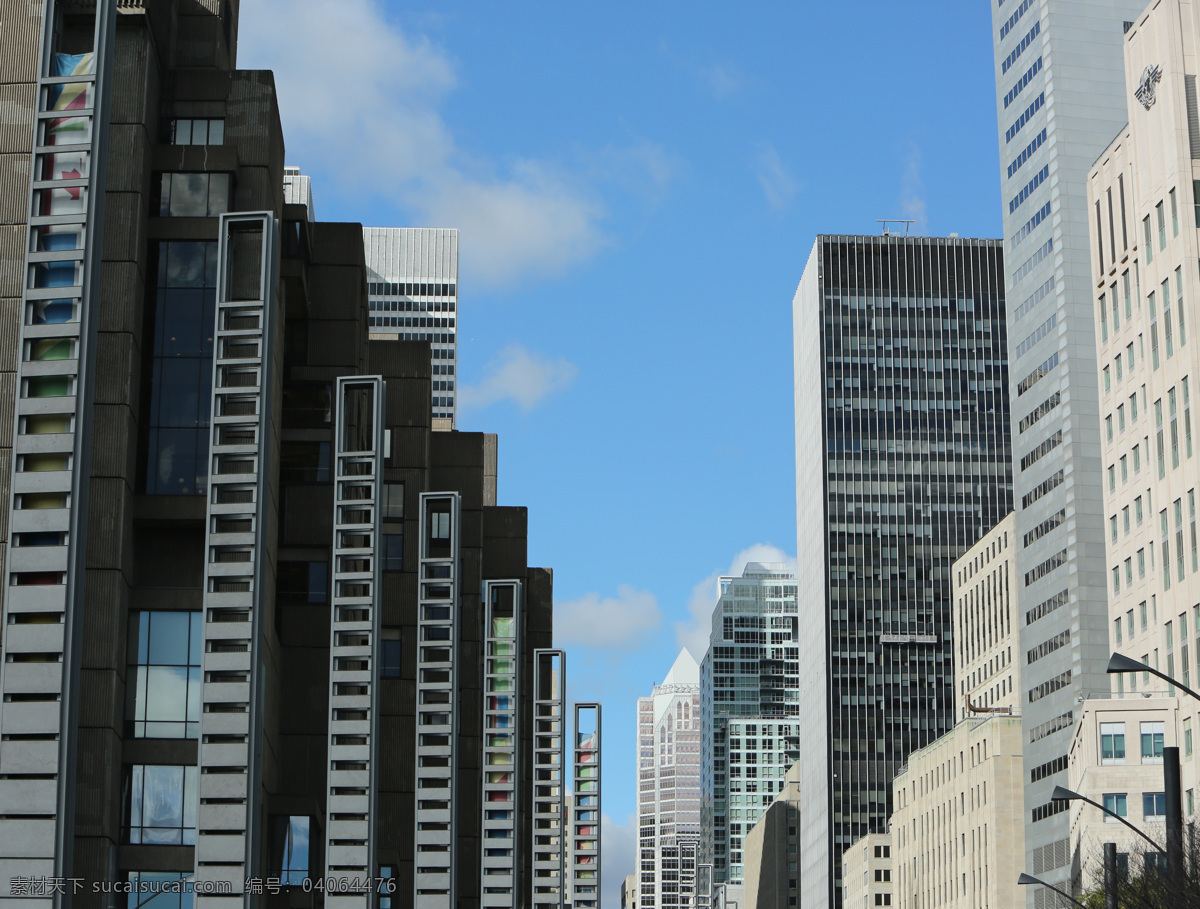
x=1158 y=430
x=1179 y=304
x=1124 y=230
x=1166 y=549
x=1187 y=419
x=1192 y=528
x=1171 y=413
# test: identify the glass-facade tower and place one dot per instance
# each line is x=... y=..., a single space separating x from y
x=902 y=463
x=748 y=679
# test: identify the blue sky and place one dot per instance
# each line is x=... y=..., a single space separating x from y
x=637 y=189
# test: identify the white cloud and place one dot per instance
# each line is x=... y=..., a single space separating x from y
x=912 y=188
x=519 y=376
x=777 y=183
x=693 y=633
x=618 y=850
x=360 y=101
x=643 y=168
x=611 y=623
x=721 y=80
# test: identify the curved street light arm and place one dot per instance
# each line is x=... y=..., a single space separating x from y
x=1068 y=795
x=1118 y=663
x=1030 y=879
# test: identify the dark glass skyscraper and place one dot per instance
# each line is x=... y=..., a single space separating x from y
x=902 y=463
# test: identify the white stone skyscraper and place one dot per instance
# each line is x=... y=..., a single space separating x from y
x=669 y=788
x=1060 y=98
x=413 y=291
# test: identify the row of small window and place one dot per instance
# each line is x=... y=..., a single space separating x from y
x=412 y=305
x=1138 y=517
x=1160 y=439
x=1112 y=742
x=1154 y=806
x=209 y=131
x=1168 y=335
x=409 y=322
x=1160 y=220
x=411 y=289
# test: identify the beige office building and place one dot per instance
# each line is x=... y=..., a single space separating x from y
x=958 y=826
x=629 y=892
x=1145 y=278
x=1116 y=760
x=1143 y=192
x=985 y=585
x=867 y=872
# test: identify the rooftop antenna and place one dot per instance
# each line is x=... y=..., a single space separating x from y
x=887 y=232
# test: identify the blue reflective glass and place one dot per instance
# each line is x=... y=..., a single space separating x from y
x=295 y=851
x=54 y=274
x=159 y=890
x=169 y=638
x=52 y=312
x=196 y=638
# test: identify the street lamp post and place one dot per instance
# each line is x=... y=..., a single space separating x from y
x=1110 y=876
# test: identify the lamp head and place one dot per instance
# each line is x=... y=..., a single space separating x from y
x=1062 y=793
x=1027 y=879
x=1120 y=663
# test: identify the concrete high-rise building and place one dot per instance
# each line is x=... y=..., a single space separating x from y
x=669 y=787
x=261 y=623
x=749 y=703
x=1060 y=98
x=413 y=289
x=902 y=463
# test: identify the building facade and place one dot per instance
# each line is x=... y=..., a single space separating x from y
x=1145 y=284
x=902 y=464
x=959 y=820
x=749 y=704
x=308 y=645
x=413 y=289
x=867 y=872
x=1060 y=99
x=987 y=669
x=629 y=892
x=669 y=787
x=771 y=850
x=1116 y=760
